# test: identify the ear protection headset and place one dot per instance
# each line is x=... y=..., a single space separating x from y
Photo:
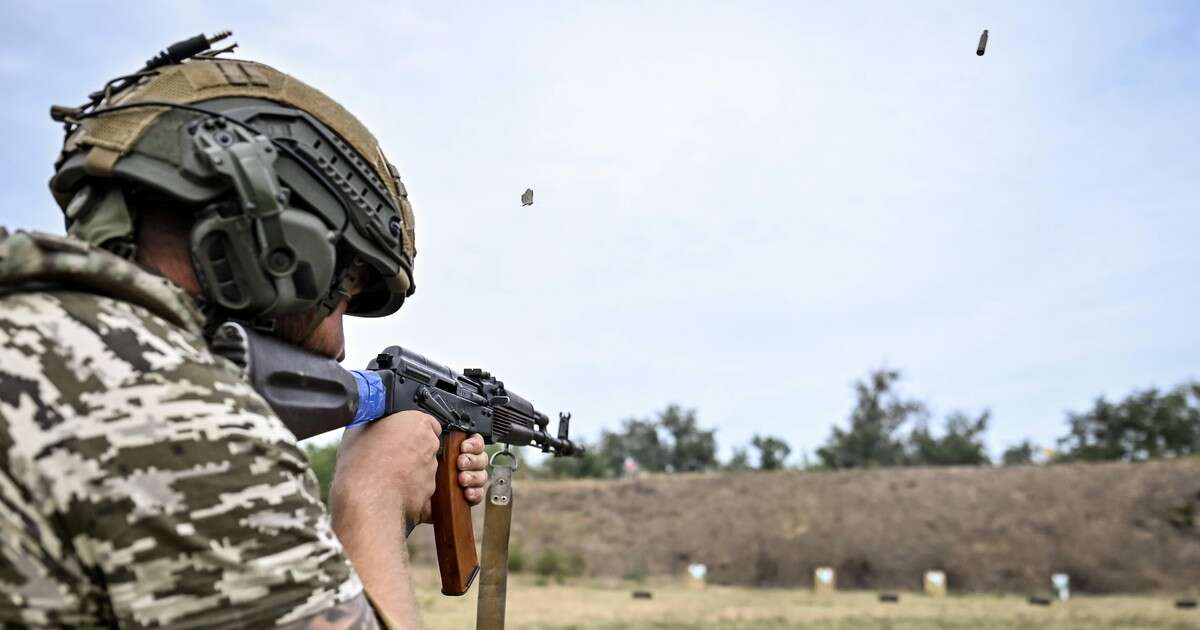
x=287 y=207
x=256 y=254
x=292 y=197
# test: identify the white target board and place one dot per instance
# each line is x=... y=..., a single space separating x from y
x=824 y=580
x=1062 y=585
x=935 y=583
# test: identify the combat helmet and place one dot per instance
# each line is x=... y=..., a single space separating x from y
x=289 y=191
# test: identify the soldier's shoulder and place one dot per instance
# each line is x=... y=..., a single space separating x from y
x=126 y=441
x=81 y=320
x=70 y=354
x=72 y=318
x=36 y=261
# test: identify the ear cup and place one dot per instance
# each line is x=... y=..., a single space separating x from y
x=239 y=276
x=225 y=255
x=315 y=256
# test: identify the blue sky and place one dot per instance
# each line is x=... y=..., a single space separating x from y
x=741 y=208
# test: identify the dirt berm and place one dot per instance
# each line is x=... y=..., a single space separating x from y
x=1114 y=527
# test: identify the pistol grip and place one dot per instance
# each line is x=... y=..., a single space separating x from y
x=453 y=531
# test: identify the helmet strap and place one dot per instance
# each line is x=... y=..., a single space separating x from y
x=340 y=292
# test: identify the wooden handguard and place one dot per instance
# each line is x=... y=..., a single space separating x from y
x=453 y=531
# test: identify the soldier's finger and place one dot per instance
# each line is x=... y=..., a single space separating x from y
x=473 y=444
x=472 y=478
x=472 y=462
x=473 y=495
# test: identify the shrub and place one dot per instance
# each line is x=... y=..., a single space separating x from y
x=552 y=563
x=637 y=572
x=517 y=558
x=575 y=565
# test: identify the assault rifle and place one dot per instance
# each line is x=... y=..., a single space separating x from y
x=313 y=394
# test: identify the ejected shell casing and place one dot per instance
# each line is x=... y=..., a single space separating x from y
x=982 y=44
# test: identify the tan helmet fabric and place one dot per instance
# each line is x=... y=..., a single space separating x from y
x=203 y=79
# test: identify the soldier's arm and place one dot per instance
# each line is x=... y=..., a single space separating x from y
x=384 y=480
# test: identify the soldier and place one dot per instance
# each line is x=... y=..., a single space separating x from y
x=142 y=481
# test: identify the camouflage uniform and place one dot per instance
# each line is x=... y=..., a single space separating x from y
x=142 y=481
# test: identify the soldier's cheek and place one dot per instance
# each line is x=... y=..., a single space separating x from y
x=329 y=338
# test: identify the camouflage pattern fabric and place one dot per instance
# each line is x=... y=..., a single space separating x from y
x=143 y=483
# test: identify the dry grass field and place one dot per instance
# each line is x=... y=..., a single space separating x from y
x=1128 y=534
x=607 y=604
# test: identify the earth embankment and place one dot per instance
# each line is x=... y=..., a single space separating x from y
x=1114 y=527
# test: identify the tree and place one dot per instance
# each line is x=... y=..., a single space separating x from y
x=872 y=439
x=960 y=445
x=673 y=441
x=1019 y=454
x=611 y=453
x=640 y=440
x=691 y=448
x=601 y=460
x=592 y=464
x=740 y=460
x=772 y=452
x=322 y=459
x=1147 y=424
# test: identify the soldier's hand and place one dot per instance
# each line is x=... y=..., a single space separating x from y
x=386 y=471
x=472 y=466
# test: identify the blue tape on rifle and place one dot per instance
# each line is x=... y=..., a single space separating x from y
x=371 y=396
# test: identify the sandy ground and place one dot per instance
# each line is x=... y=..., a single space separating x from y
x=608 y=604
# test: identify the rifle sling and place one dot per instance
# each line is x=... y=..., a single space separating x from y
x=497 y=523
